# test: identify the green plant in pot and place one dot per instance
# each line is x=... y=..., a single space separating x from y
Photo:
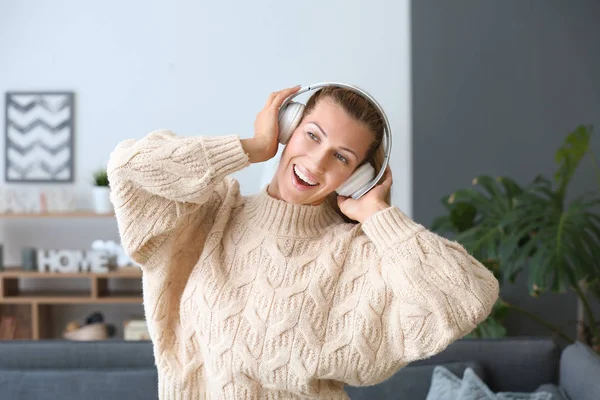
x=101 y=192
x=473 y=219
x=511 y=228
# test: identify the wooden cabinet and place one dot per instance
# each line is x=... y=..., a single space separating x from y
x=35 y=312
x=32 y=309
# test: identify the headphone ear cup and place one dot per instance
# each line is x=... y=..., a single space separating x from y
x=361 y=177
x=289 y=118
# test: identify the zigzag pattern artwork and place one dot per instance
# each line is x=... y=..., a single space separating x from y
x=39 y=137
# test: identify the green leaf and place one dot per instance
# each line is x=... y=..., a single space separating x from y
x=443 y=224
x=569 y=155
x=101 y=178
x=564 y=239
x=511 y=188
x=489 y=184
x=517 y=260
x=463 y=216
x=492 y=326
x=472 y=196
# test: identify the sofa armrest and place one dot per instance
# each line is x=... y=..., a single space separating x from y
x=580 y=372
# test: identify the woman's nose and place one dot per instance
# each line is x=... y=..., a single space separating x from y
x=319 y=161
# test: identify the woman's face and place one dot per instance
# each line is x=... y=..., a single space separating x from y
x=324 y=150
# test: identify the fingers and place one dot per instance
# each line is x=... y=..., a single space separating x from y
x=277 y=98
x=387 y=178
x=282 y=95
x=270 y=99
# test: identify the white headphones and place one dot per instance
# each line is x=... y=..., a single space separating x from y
x=363 y=179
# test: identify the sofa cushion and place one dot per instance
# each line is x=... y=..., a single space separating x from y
x=411 y=382
x=579 y=372
x=446 y=385
x=88 y=384
x=556 y=391
x=510 y=363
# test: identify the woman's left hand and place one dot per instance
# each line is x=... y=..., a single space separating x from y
x=372 y=202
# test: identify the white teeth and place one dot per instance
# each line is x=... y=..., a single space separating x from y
x=303 y=177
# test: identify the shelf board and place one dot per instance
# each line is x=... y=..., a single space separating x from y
x=65 y=214
x=120 y=297
x=71 y=298
x=19 y=273
x=44 y=297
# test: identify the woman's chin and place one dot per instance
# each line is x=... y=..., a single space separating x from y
x=295 y=198
x=291 y=194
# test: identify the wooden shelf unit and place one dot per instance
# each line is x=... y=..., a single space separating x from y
x=32 y=308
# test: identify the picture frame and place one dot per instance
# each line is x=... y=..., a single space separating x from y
x=39 y=137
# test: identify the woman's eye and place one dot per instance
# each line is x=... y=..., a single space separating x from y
x=312 y=136
x=342 y=158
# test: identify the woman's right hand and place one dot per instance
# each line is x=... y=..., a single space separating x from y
x=263 y=146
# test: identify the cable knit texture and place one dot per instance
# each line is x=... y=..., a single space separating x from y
x=250 y=297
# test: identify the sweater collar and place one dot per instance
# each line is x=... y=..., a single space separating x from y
x=286 y=219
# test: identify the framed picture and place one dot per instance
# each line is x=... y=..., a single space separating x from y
x=39 y=137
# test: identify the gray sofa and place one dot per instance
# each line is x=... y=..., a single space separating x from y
x=118 y=370
x=505 y=365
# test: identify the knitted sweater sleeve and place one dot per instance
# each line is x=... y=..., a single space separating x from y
x=160 y=179
x=419 y=292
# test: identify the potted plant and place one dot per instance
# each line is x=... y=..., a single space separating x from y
x=510 y=228
x=101 y=192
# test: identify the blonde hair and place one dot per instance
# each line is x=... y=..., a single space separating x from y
x=364 y=112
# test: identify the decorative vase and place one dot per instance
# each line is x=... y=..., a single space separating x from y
x=29 y=259
x=102 y=204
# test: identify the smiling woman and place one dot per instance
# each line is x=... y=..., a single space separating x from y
x=276 y=295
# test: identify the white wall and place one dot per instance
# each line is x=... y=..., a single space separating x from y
x=198 y=68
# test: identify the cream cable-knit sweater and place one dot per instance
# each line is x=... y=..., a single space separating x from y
x=255 y=298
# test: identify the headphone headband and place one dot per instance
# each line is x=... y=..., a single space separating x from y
x=386 y=132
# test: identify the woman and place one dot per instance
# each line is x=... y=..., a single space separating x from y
x=293 y=292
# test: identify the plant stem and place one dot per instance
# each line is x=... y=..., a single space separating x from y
x=540 y=321
x=586 y=304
